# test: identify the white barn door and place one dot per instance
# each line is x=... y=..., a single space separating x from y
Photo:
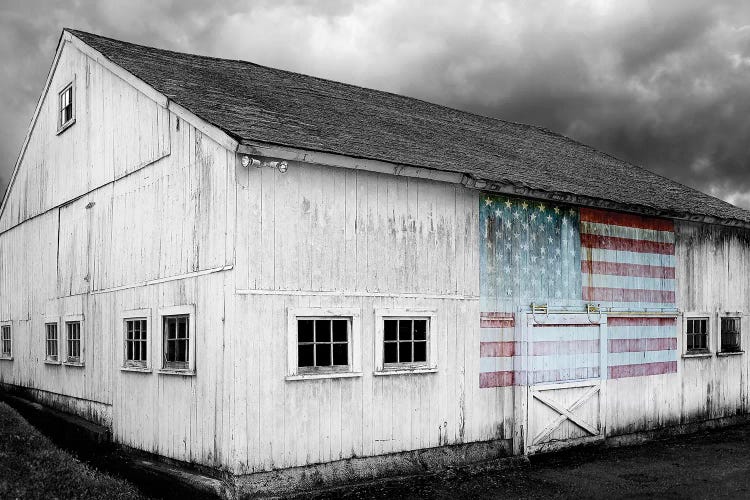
x=564 y=366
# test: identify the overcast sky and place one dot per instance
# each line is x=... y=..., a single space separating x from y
x=663 y=84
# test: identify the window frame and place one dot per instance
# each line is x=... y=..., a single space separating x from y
x=75 y=318
x=294 y=372
x=52 y=321
x=734 y=315
x=129 y=365
x=62 y=127
x=698 y=353
x=3 y=356
x=181 y=310
x=430 y=365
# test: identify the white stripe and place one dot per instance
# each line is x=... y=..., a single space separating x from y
x=496 y=334
x=562 y=361
x=626 y=232
x=637 y=358
x=624 y=257
x=628 y=282
x=556 y=333
x=640 y=332
x=500 y=364
x=565 y=374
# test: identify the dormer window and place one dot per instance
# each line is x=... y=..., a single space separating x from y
x=66 y=109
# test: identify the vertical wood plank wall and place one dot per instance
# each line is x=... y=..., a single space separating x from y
x=124 y=196
x=326 y=237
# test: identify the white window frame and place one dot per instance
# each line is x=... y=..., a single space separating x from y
x=355 y=343
x=431 y=365
x=189 y=310
x=710 y=336
x=62 y=127
x=72 y=318
x=137 y=314
x=6 y=357
x=730 y=314
x=50 y=320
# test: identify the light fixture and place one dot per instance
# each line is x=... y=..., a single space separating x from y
x=281 y=165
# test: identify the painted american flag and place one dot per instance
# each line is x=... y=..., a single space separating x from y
x=548 y=253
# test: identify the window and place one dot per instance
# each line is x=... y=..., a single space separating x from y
x=177 y=341
x=66 y=109
x=730 y=334
x=404 y=341
x=136 y=342
x=73 y=342
x=696 y=335
x=323 y=343
x=51 y=342
x=6 y=342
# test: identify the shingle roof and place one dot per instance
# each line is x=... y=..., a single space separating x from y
x=254 y=103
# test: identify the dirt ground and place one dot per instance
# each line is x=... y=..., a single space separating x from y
x=713 y=464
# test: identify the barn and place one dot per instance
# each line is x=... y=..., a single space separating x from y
x=297 y=282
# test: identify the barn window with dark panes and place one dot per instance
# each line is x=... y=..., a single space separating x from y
x=177 y=342
x=697 y=335
x=136 y=342
x=66 y=110
x=73 y=340
x=323 y=344
x=51 y=342
x=6 y=342
x=730 y=334
x=405 y=341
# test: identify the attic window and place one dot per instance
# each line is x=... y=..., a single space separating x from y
x=66 y=108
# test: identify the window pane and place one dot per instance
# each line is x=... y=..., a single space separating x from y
x=322 y=330
x=703 y=325
x=420 y=329
x=690 y=326
x=144 y=356
x=390 y=352
x=404 y=329
x=129 y=351
x=323 y=355
x=389 y=329
x=420 y=352
x=340 y=327
x=171 y=347
x=305 y=355
x=182 y=326
x=404 y=352
x=305 y=331
x=340 y=354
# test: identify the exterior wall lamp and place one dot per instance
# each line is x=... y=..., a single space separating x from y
x=281 y=165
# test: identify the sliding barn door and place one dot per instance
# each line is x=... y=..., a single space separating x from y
x=564 y=366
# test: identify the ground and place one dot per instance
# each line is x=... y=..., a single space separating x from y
x=712 y=464
x=32 y=467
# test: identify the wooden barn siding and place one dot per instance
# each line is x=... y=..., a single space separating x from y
x=327 y=237
x=713 y=265
x=118 y=225
x=117 y=131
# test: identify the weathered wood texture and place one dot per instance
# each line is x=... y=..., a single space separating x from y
x=326 y=237
x=128 y=194
x=712 y=266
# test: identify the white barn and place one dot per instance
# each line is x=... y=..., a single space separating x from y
x=302 y=282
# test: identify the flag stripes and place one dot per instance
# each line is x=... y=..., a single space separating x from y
x=641 y=346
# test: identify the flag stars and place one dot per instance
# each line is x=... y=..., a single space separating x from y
x=542 y=208
x=565 y=220
x=557 y=210
x=508 y=203
x=550 y=240
x=487 y=202
x=516 y=214
x=524 y=205
x=507 y=224
x=572 y=212
x=533 y=216
x=498 y=213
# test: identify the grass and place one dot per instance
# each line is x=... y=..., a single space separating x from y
x=31 y=466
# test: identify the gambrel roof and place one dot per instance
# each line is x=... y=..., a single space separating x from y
x=256 y=104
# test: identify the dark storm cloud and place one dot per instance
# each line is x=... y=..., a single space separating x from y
x=663 y=84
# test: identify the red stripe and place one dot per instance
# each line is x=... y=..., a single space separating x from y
x=495 y=323
x=495 y=379
x=627 y=244
x=627 y=220
x=548 y=347
x=641 y=345
x=622 y=269
x=642 y=370
x=494 y=314
x=636 y=321
x=496 y=349
x=628 y=295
